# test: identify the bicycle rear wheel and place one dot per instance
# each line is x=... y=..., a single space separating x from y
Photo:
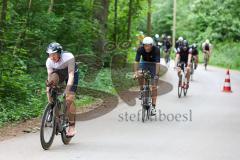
x=48 y=127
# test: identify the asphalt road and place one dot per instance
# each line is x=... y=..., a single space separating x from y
x=204 y=125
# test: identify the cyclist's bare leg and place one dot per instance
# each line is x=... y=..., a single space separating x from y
x=208 y=56
x=205 y=57
x=140 y=80
x=179 y=69
x=53 y=79
x=196 y=61
x=189 y=68
x=179 y=72
x=154 y=94
x=71 y=113
x=188 y=73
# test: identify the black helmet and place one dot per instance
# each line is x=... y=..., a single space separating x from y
x=194 y=45
x=54 y=47
x=185 y=43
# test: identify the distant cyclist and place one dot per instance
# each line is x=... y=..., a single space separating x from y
x=183 y=56
x=194 y=52
x=207 y=47
x=167 y=44
x=157 y=40
x=207 y=50
x=178 y=43
x=140 y=38
x=149 y=57
x=169 y=38
x=167 y=48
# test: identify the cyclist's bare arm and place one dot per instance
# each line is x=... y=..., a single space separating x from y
x=158 y=68
x=177 y=60
x=189 y=59
x=49 y=71
x=71 y=69
x=70 y=81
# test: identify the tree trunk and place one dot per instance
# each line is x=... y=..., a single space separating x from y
x=3 y=22
x=115 y=21
x=50 y=8
x=29 y=4
x=174 y=23
x=3 y=13
x=149 y=27
x=129 y=20
x=100 y=13
x=20 y=41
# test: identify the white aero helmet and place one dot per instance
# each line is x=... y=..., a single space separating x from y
x=207 y=41
x=180 y=38
x=156 y=35
x=148 y=40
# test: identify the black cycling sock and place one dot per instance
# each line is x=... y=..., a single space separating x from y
x=154 y=105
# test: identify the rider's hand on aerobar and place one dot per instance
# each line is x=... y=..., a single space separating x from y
x=135 y=76
x=156 y=77
x=49 y=84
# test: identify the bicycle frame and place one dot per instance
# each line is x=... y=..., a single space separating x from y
x=146 y=88
x=182 y=80
x=58 y=107
x=59 y=119
x=146 y=96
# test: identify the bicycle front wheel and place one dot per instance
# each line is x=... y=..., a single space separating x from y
x=48 y=127
x=180 y=87
x=145 y=113
x=65 y=139
x=185 y=91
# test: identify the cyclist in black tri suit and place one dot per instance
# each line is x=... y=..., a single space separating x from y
x=184 y=56
x=166 y=49
x=194 y=52
x=149 y=58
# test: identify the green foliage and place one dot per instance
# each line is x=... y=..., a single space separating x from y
x=219 y=19
x=226 y=54
x=198 y=20
x=162 y=17
x=30 y=28
x=84 y=100
x=138 y=15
